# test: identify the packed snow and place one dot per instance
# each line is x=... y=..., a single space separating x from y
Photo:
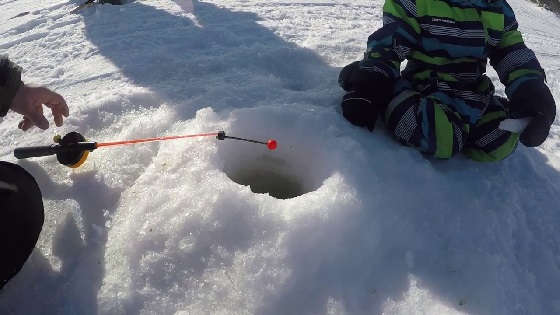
x=354 y=223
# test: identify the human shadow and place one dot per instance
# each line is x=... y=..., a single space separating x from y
x=211 y=57
x=77 y=241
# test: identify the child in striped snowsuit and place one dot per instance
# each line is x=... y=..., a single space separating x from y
x=442 y=103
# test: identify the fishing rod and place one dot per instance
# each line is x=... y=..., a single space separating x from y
x=72 y=150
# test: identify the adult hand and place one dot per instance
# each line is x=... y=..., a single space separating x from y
x=29 y=102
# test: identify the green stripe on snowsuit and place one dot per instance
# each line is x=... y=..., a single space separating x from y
x=447 y=44
x=487 y=142
x=435 y=129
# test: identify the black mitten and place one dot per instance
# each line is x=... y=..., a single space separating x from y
x=346 y=76
x=533 y=99
x=371 y=84
x=359 y=110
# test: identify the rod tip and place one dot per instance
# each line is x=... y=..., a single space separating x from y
x=272 y=144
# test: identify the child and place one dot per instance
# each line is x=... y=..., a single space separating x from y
x=442 y=103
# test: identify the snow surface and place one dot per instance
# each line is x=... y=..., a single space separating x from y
x=162 y=228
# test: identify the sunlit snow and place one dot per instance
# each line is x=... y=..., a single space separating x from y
x=356 y=224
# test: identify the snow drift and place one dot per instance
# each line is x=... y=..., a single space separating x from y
x=367 y=226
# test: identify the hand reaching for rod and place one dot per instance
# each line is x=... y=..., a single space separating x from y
x=29 y=102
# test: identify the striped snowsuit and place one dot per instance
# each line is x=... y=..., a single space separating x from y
x=443 y=103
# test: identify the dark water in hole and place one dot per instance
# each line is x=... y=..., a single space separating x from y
x=277 y=185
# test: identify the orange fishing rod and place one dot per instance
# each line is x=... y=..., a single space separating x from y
x=72 y=149
x=106 y=144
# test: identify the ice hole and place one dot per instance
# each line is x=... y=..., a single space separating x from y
x=283 y=174
x=262 y=180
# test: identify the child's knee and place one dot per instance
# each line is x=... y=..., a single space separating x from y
x=502 y=151
x=487 y=142
x=420 y=122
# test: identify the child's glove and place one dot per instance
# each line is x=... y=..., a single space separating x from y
x=533 y=99
x=369 y=93
x=372 y=84
x=346 y=76
x=359 y=110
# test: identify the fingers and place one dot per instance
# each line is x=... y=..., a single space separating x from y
x=25 y=124
x=37 y=118
x=57 y=114
x=57 y=104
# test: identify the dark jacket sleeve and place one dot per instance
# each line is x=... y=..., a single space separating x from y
x=10 y=81
x=390 y=45
x=513 y=61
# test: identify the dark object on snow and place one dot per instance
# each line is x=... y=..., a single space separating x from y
x=533 y=99
x=552 y=5
x=86 y=4
x=116 y=2
x=20 y=15
x=21 y=218
x=90 y=3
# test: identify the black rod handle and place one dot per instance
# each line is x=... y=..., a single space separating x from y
x=27 y=152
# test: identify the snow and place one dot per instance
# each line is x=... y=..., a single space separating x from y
x=172 y=228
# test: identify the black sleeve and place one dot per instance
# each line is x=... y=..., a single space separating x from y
x=10 y=81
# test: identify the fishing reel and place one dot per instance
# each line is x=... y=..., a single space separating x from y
x=71 y=158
